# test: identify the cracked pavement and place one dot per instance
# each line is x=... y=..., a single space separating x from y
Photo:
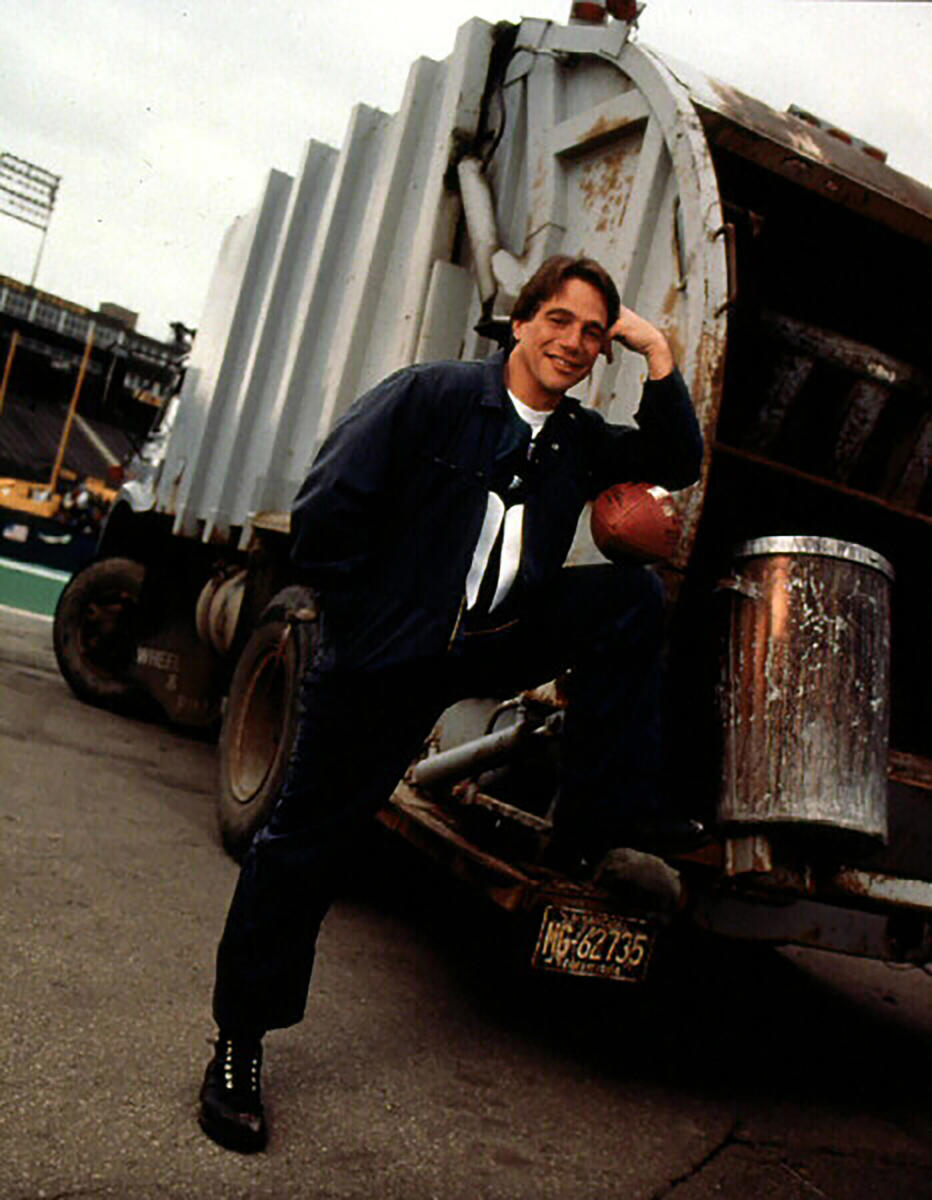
x=429 y=1064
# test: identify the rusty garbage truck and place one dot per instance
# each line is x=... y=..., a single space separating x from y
x=776 y=253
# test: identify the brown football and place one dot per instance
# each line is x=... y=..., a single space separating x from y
x=635 y=520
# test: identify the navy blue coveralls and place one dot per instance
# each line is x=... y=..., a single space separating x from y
x=384 y=528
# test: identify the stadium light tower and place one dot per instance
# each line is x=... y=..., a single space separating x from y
x=27 y=193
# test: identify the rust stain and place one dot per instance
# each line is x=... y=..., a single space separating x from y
x=859 y=179
x=602 y=125
x=706 y=386
x=668 y=323
x=605 y=127
x=605 y=184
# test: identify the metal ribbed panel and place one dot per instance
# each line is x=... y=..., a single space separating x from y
x=355 y=304
x=368 y=297
x=294 y=412
x=349 y=279
x=238 y=460
x=209 y=392
x=410 y=222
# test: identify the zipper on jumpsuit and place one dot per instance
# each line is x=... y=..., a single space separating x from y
x=457 y=623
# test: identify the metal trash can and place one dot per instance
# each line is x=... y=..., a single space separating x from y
x=806 y=690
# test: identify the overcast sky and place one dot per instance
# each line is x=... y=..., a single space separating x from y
x=163 y=117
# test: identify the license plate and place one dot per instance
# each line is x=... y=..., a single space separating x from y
x=578 y=942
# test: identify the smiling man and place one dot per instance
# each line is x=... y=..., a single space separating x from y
x=558 y=340
x=434 y=525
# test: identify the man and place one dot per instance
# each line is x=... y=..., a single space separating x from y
x=434 y=525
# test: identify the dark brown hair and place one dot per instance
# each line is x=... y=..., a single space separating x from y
x=550 y=277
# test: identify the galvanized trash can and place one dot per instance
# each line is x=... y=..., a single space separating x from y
x=806 y=691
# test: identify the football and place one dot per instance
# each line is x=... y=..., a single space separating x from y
x=635 y=520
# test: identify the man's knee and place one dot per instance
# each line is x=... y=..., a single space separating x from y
x=640 y=584
x=635 y=600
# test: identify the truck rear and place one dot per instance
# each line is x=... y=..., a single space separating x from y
x=772 y=250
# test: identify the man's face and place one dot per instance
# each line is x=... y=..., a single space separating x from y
x=558 y=346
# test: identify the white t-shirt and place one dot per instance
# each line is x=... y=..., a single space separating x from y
x=513 y=518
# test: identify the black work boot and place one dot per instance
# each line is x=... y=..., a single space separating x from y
x=231 y=1098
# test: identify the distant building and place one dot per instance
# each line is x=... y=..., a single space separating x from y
x=125 y=316
x=129 y=377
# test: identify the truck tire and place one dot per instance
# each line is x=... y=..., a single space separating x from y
x=94 y=633
x=260 y=716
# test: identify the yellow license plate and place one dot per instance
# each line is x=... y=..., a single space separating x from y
x=578 y=942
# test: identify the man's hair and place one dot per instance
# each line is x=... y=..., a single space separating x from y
x=550 y=277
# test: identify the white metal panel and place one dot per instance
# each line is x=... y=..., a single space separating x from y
x=207 y=354
x=369 y=296
x=387 y=218
x=436 y=206
x=239 y=454
x=410 y=222
x=194 y=441
x=446 y=313
x=294 y=412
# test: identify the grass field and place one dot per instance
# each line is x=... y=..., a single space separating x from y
x=25 y=586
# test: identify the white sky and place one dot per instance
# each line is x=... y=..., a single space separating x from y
x=164 y=116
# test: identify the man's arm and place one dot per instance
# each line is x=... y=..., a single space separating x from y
x=643 y=338
x=667 y=447
x=337 y=513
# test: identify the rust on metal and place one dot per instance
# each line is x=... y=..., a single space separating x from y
x=863 y=406
x=426 y=825
x=522 y=887
x=468 y=794
x=812 y=157
x=272 y=522
x=911 y=769
x=907 y=492
x=551 y=694
x=707 y=390
x=857 y=357
x=752 y=855
x=834 y=131
x=781 y=390
x=606 y=184
x=883 y=891
x=806 y=689
x=810 y=477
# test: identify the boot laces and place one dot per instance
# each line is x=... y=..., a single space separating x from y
x=240 y=1063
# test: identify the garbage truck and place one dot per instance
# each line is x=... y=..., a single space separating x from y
x=781 y=256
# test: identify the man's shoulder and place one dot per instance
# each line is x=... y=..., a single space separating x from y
x=450 y=380
x=452 y=372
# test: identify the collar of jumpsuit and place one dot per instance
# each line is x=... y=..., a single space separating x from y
x=497 y=555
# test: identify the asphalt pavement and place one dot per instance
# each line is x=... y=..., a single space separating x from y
x=430 y=1063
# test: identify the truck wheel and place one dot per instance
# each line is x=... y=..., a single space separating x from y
x=260 y=716
x=94 y=633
